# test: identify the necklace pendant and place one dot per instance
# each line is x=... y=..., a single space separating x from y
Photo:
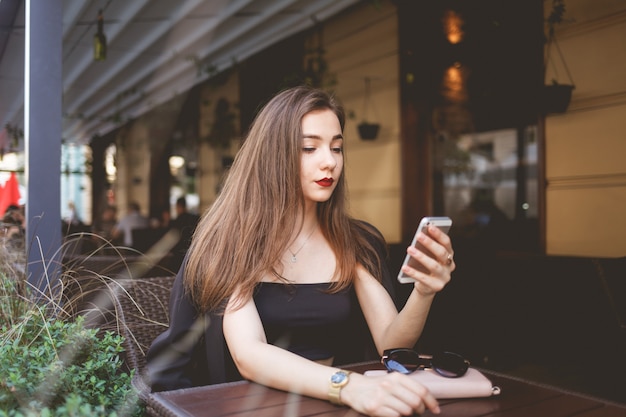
x=294 y=254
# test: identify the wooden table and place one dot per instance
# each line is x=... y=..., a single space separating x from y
x=519 y=398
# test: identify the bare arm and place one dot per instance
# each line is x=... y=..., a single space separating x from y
x=389 y=395
x=268 y=364
x=389 y=328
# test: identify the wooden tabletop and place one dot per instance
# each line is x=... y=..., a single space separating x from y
x=238 y=399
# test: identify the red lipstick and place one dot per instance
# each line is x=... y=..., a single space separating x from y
x=325 y=182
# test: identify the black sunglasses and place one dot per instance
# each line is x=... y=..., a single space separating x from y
x=405 y=361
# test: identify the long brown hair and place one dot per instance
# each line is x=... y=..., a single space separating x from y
x=243 y=235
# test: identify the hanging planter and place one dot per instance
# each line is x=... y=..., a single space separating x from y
x=367 y=130
x=555 y=97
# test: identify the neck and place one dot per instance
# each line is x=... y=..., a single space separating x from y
x=304 y=229
x=301 y=239
x=309 y=219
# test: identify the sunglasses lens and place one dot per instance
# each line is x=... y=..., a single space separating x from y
x=402 y=360
x=450 y=364
x=396 y=366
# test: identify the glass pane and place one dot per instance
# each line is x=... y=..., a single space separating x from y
x=489 y=182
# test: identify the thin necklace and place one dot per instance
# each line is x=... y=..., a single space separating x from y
x=294 y=259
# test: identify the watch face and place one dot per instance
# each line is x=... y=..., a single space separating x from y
x=338 y=377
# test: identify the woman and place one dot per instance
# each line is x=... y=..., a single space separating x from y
x=279 y=268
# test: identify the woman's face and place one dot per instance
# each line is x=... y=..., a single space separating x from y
x=322 y=155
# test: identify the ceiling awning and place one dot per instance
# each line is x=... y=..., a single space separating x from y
x=154 y=51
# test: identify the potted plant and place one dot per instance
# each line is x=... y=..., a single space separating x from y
x=52 y=362
x=556 y=97
x=367 y=130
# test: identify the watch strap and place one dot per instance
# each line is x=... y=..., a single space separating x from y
x=339 y=380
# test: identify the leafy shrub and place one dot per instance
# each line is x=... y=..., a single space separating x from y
x=61 y=365
x=51 y=362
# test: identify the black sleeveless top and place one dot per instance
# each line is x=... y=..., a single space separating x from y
x=173 y=362
x=305 y=318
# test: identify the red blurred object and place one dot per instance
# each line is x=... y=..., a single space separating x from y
x=9 y=194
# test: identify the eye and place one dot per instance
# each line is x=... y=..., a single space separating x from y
x=308 y=149
x=337 y=149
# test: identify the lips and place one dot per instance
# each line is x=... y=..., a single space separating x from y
x=325 y=182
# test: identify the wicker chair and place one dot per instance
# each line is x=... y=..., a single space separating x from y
x=137 y=309
x=145 y=316
x=144 y=307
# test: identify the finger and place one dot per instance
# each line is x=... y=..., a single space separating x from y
x=406 y=396
x=438 y=235
x=420 y=398
x=397 y=406
x=431 y=403
x=434 y=279
x=429 y=263
x=443 y=254
x=392 y=397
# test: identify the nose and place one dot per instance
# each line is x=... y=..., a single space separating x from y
x=329 y=160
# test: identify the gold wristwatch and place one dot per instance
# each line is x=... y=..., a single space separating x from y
x=337 y=381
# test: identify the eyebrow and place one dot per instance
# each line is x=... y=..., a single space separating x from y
x=311 y=136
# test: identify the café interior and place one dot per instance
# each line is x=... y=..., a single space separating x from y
x=507 y=117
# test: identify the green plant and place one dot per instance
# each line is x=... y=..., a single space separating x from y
x=314 y=70
x=51 y=362
x=56 y=364
x=555 y=17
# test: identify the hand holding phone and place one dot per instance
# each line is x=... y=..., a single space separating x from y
x=443 y=223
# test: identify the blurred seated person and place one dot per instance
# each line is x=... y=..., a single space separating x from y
x=108 y=220
x=72 y=217
x=163 y=221
x=132 y=220
x=185 y=222
x=13 y=230
x=482 y=221
x=14 y=215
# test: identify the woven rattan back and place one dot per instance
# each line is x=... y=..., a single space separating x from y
x=144 y=315
x=137 y=309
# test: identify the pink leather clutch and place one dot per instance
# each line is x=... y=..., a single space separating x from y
x=472 y=384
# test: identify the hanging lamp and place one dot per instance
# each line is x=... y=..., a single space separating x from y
x=100 y=40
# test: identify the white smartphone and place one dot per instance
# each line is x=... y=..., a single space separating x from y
x=444 y=223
